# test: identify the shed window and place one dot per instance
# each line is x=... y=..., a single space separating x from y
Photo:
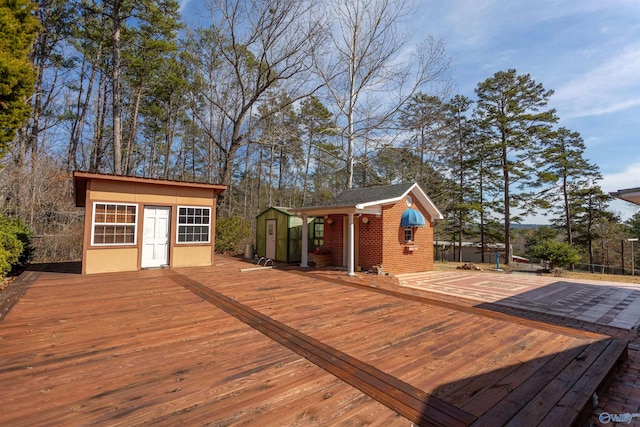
x=194 y=224
x=408 y=234
x=114 y=224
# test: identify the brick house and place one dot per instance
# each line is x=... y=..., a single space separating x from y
x=389 y=226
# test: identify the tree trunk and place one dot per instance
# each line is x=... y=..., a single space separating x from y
x=305 y=183
x=131 y=140
x=282 y=165
x=151 y=169
x=481 y=195
x=169 y=142
x=270 y=198
x=83 y=108
x=507 y=202
x=97 y=147
x=116 y=95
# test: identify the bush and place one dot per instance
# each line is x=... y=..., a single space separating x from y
x=557 y=253
x=231 y=233
x=15 y=244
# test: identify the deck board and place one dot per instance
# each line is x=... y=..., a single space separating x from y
x=138 y=348
x=505 y=340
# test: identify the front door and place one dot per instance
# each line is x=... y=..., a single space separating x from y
x=155 y=236
x=271 y=239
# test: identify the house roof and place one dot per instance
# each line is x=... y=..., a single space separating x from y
x=358 y=196
x=370 y=199
x=80 y=180
x=631 y=195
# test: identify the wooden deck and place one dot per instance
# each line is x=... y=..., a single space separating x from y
x=216 y=346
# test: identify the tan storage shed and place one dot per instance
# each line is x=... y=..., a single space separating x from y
x=134 y=223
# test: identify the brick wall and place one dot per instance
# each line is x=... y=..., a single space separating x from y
x=333 y=238
x=370 y=239
x=397 y=258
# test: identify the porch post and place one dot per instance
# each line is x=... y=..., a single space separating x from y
x=350 y=247
x=305 y=242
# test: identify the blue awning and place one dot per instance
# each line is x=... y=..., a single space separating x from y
x=412 y=218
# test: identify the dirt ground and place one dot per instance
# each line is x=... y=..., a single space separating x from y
x=565 y=274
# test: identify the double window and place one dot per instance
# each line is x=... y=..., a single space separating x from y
x=114 y=224
x=194 y=224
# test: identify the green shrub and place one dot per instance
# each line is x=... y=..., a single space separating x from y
x=557 y=253
x=231 y=233
x=15 y=243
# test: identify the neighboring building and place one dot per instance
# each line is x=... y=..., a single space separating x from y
x=279 y=234
x=631 y=195
x=389 y=226
x=134 y=223
x=471 y=252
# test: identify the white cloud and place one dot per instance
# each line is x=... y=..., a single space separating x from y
x=608 y=88
x=182 y=4
x=627 y=178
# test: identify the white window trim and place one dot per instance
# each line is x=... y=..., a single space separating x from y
x=93 y=224
x=412 y=234
x=178 y=242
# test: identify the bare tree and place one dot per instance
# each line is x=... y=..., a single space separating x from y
x=251 y=47
x=366 y=66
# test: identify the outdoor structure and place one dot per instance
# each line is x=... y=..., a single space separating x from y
x=279 y=234
x=389 y=228
x=631 y=195
x=471 y=252
x=134 y=223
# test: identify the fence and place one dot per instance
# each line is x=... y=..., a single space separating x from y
x=605 y=269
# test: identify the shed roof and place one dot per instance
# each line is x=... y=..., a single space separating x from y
x=282 y=209
x=80 y=180
x=370 y=199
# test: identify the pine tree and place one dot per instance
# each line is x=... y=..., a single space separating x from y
x=18 y=30
x=563 y=166
x=316 y=124
x=156 y=20
x=512 y=118
x=590 y=206
x=464 y=163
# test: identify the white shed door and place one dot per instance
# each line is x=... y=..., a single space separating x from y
x=155 y=236
x=271 y=239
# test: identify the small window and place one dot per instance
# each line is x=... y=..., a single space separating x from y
x=114 y=224
x=194 y=225
x=408 y=234
x=318 y=233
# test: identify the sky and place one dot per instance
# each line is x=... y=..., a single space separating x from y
x=587 y=51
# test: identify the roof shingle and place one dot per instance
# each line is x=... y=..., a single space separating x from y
x=356 y=196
